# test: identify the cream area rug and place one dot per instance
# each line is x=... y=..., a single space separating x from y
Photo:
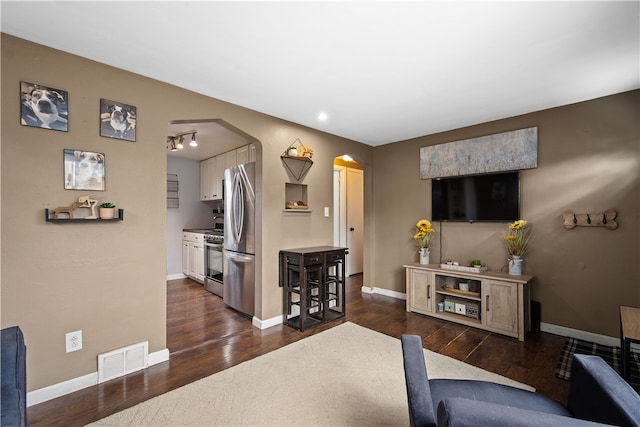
x=345 y=376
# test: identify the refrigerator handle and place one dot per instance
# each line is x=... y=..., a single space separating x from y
x=239 y=258
x=238 y=211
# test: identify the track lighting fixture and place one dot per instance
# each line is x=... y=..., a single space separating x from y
x=171 y=143
x=176 y=142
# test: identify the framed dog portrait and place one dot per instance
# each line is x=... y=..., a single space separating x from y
x=83 y=170
x=117 y=120
x=43 y=107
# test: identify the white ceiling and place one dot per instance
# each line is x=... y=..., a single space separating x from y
x=382 y=71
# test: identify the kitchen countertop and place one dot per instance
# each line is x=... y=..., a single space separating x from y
x=198 y=230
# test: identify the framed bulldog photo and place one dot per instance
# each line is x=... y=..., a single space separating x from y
x=83 y=170
x=44 y=107
x=117 y=120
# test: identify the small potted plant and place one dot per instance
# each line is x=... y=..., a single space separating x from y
x=107 y=210
x=292 y=151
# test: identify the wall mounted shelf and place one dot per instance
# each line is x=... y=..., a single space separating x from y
x=298 y=166
x=47 y=218
x=297 y=159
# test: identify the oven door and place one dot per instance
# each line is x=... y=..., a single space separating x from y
x=213 y=268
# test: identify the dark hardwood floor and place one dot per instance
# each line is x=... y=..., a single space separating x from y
x=205 y=337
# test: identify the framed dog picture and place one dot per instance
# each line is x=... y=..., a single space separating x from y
x=117 y=120
x=83 y=170
x=43 y=107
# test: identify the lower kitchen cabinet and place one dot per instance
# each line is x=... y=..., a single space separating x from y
x=491 y=300
x=193 y=256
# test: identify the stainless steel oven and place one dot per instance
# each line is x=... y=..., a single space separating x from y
x=213 y=263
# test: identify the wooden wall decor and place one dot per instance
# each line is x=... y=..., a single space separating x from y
x=604 y=219
x=507 y=151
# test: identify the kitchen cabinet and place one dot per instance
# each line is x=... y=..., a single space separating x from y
x=193 y=256
x=492 y=300
x=212 y=170
x=242 y=155
x=208 y=188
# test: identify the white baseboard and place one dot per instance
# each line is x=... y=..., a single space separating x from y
x=56 y=390
x=264 y=324
x=385 y=292
x=581 y=335
x=176 y=276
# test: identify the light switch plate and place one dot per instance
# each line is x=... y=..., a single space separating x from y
x=326 y=211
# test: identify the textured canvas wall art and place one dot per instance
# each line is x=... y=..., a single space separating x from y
x=507 y=151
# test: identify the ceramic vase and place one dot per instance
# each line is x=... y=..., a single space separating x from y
x=515 y=265
x=424 y=256
x=107 y=213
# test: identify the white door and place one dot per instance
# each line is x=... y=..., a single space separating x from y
x=355 y=220
x=348 y=203
x=339 y=206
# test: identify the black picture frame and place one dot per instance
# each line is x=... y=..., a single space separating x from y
x=117 y=120
x=44 y=107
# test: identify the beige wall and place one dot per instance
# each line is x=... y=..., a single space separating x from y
x=107 y=279
x=588 y=161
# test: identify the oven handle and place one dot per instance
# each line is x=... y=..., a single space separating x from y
x=213 y=245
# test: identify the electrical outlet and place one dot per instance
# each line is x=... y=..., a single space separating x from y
x=74 y=341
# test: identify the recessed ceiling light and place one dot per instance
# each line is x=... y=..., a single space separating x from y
x=323 y=117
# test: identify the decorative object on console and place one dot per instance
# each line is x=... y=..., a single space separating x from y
x=605 y=219
x=516 y=243
x=423 y=237
x=107 y=210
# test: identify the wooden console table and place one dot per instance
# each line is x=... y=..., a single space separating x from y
x=629 y=333
x=492 y=300
x=313 y=285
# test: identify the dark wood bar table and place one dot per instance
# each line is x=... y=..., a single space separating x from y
x=313 y=285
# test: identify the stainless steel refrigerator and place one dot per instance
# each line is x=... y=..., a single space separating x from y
x=239 y=238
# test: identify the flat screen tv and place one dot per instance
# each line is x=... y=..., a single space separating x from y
x=477 y=198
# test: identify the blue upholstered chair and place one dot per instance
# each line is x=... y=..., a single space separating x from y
x=13 y=373
x=597 y=394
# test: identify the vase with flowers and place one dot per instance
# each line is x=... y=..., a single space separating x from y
x=423 y=237
x=516 y=242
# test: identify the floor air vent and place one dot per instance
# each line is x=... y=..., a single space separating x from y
x=123 y=361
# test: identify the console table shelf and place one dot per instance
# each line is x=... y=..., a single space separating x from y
x=496 y=301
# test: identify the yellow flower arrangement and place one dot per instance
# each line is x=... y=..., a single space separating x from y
x=424 y=233
x=518 y=238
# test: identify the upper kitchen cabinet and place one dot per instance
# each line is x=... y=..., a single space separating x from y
x=209 y=188
x=212 y=170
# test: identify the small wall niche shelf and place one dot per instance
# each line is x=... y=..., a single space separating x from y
x=604 y=219
x=296 y=198
x=49 y=218
x=297 y=159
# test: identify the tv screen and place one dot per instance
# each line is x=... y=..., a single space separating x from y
x=471 y=198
